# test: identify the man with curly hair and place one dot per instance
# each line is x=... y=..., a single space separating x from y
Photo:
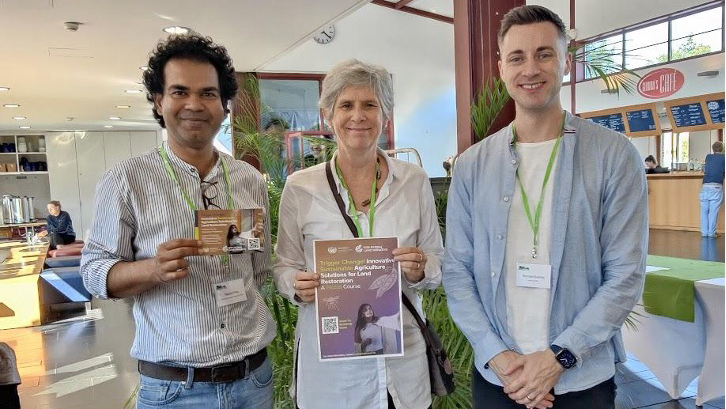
x=201 y=323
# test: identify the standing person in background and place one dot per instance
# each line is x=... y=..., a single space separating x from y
x=202 y=326
x=60 y=226
x=546 y=237
x=711 y=195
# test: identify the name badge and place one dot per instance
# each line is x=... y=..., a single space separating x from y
x=534 y=275
x=229 y=292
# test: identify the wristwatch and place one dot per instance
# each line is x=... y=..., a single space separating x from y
x=563 y=355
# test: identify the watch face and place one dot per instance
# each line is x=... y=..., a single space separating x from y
x=566 y=359
x=325 y=36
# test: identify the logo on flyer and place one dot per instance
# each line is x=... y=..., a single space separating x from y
x=332 y=250
x=359 y=248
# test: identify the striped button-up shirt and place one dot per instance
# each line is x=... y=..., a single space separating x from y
x=138 y=207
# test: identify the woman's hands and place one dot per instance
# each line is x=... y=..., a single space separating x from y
x=305 y=284
x=413 y=262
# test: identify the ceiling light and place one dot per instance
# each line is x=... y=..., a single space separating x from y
x=19 y=118
x=123 y=106
x=114 y=118
x=176 y=30
x=108 y=126
x=133 y=91
x=11 y=105
x=4 y=89
x=25 y=127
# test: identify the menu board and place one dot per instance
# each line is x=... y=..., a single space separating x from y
x=688 y=115
x=640 y=120
x=716 y=110
x=612 y=121
x=699 y=113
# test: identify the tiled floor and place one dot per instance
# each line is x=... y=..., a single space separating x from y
x=84 y=363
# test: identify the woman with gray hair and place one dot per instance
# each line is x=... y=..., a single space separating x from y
x=385 y=197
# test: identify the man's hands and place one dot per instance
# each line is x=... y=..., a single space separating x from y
x=508 y=368
x=170 y=263
x=534 y=376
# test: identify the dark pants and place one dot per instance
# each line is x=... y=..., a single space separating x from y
x=9 y=397
x=487 y=395
x=57 y=238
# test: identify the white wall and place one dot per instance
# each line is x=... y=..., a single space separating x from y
x=76 y=161
x=645 y=146
x=418 y=51
x=36 y=186
x=589 y=97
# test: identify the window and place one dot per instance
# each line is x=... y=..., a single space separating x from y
x=697 y=34
x=290 y=104
x=644 y=46
x=681 y=35
x=682 y=147
x=606 y=54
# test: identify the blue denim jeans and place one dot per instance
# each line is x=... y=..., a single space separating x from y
x=711 y=198
x=252 y=392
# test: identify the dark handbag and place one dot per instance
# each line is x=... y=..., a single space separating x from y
x=441 y=373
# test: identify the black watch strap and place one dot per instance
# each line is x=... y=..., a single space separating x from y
x=566 y=358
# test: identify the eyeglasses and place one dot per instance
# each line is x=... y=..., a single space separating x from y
x=209 y=193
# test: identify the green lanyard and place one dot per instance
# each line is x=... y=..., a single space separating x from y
x=354 y=212
x=172 y=174
x=534 y=223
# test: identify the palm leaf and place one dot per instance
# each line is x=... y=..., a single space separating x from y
x=486 y=106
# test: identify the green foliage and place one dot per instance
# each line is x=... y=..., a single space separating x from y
x=688 y=49
x=487 y=105
x=598 y=60
x=456 y=345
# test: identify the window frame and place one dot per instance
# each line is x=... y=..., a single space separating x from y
x=669 y=18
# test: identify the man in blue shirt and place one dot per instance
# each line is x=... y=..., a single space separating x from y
x=711 y=195
x=547 y=232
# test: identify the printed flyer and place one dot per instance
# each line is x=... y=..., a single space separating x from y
x=230 y=231
x=358 y=302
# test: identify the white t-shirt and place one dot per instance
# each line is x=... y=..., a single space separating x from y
x=528 y=309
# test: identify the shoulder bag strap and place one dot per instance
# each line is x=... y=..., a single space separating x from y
x=339 y=200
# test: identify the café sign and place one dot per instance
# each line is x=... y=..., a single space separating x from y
x=660 y=83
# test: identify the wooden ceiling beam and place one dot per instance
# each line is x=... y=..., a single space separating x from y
x=414 y=11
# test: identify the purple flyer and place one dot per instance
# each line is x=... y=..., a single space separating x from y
x=358 y=303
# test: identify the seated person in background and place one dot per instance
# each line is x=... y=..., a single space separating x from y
x=60 y=226
x=651 y=166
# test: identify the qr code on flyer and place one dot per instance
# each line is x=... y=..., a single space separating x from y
x=330 y=325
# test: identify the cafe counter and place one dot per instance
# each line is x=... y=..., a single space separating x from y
x=673 y=202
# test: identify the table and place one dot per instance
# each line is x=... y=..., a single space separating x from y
x=710 y=294
x=678 y=351
x=20 y=298
x=26 y=226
